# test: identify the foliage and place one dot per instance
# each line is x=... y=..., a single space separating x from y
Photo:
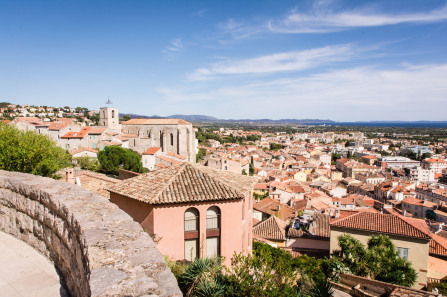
x=442 y=288
x=30 y=153
x=430 y=214
x=112 y=158
x=253 y=275
x=322 y=288
x=379 y=260
x=88 y=163
x=275 y=146
x=177 y=267
x=203 y=278
x=200 y=155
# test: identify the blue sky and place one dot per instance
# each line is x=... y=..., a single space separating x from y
x=339 y=60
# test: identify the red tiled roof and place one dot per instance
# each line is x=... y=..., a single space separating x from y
x=261 y=186
x=97 y=130
x=438 y=245
x=152 y=150
x=383 y=223
x=82 y=149
x=185 y=183
x=273 y=207
x=272 y=228
x=80 y=134
x=172 y=161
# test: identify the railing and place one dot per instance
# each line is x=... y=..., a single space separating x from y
x=212 y=222
x=436 y=280
x=191 y=224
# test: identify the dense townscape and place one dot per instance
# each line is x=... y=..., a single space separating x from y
x=329 y=202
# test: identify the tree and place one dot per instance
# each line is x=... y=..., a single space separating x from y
x=88 y=163
x=200 y=155
x=430 y=214
x=126 y=118
x=112 y=158
x=30 y=153
x=275 y=146
x=379 y=261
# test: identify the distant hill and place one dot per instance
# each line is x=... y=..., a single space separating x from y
x=194 y=118
x=209 y=119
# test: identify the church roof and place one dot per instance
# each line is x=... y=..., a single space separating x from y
x=185 y=183
x=156 y=122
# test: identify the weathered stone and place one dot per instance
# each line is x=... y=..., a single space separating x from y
x=98 y=249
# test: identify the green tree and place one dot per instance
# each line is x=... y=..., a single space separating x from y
x=379 y=260
x=275 y=146
x=200 y=155
x=88 y=163
x=430 y=214
x=112 y=158
x=30 y=153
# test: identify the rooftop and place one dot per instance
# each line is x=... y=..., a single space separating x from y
x=185 y=183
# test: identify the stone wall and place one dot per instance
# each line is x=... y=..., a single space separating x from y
x=97 y=248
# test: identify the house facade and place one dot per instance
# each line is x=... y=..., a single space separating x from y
x=191 y=210
x=411 y=237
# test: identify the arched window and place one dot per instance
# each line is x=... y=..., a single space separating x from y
x=213 y=232
x=191 y=226
x=149 y=133
x=172 y=139
x=103 y=113
x=113 y=113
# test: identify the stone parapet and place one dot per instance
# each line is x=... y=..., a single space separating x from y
x=97 y=248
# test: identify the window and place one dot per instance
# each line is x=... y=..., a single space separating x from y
x=213 y=232
x=191 y=220
x=212 y=218
x=191 y=226
x=113 y=113
x=402 y=252
x=172 y=139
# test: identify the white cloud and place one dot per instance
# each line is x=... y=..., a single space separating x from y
x=322 y=19
x=173 y=49
x=176 y=45
x=279 y=62
x=350 y=94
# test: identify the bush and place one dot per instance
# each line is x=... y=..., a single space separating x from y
x=88 y=163
x=112 y=158
x=30 y=153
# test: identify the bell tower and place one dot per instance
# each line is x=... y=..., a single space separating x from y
x=109 y=117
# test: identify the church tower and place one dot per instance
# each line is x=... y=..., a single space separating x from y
x=109 y=117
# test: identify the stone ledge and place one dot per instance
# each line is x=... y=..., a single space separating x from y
x=98 y=249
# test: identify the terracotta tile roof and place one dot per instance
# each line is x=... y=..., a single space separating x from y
x=383 y=223
x=185 y=183
x=261 y=186
x=273 y=229
x=96 y=130
x=172 y=161
x=152 y=150
x=438 y=245
x=176 y=155
x=272 y=207
x=82 y=149
x=156 y=122
x=96 y=182
x=57 y=125
x=80 y=134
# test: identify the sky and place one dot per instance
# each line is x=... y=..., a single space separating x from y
x=329 y=59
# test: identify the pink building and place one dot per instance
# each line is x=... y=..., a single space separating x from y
x=193 y=211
